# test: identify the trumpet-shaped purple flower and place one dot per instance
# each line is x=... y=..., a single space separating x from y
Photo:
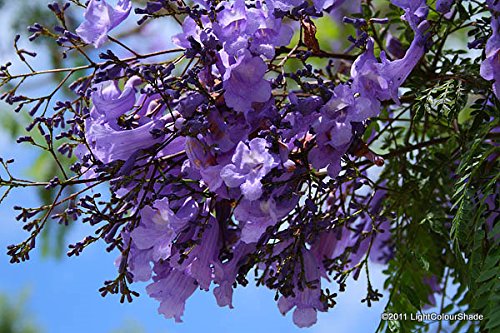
x=192 y=32
x=270 y=33
x=189 y=29
x=415 y=11
x=139 y=261
x=110 y=103
x=108 y=144
x=215 y=156
x=301 y=121
x=444 y=6
x=327 y=157
x=394 y=46
x=225 y=274
x=244 y=82
x=382 y=80
x=284 y=5
x=159 y=225
x=233 y=26
x=306 y=300
x=203 y=257
x=100 y=18
x=434 y=285
x=172 y=288
x=256 y=216
x=329 y=245
x=239 y=28
x=250 y=164
x=327 y=4
x=151 y=240
x=490 y=68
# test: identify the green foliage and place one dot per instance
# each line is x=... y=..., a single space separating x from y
x=487 y=289
x=14 y=318
x=446 y=99
x=443 y=184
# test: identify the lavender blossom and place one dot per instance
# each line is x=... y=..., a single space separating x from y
x=172 y=288
x=159 y=226
x=490 y=68
x=327 y=4
x=434 y=284
x=109 y=143
x=307 y=300
x=225 y=274
x=256 y=29
x=256 y=216
x=244 y=82
x=249 y=165
x=100 y=19
x=284 y=5
x=444 y=6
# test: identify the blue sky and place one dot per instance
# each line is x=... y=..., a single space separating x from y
x=64 y=297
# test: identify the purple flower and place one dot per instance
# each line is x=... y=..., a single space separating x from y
x=198 y=260
x=300 y=122
x=490 y=68
x=108 y=141
x=233 y=26
x=334 y=132
x=172 y=288
x=139 y=261
x=330 y=244
x=199 y=153
x=326 y=4
x=100 y=18
x=108 y=144
x=256 y=216
x=327 y=157
x=189 y=102
x=250 y=164
x=244 y=82
x=159 y=226
x=151 y=240
x=435 y=288
x=374 y=80
x=191 y=30
x=307 y=300
x=225 y=274
x=203 y=257
x=394 y=46
x=257 y=29
x=415 y=11
x=348 y=104
x=444 y=6
x=284 y=5
x=110 y=103
x=210 y=153
x=225 y=132
x=270 y=33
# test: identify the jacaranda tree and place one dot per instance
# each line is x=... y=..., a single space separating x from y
x=287 y=143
